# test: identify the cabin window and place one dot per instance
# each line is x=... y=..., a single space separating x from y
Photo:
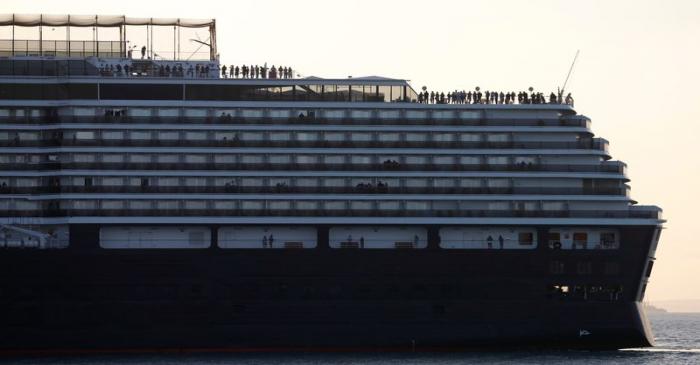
x=252 y=159
x=416 y=160
x=307 y=136
x=195 y=204
x=416 y=137
x=168 y=158
x=252 y=205
x=607 y=240
x=444 y=160
x=167 y=205
x=307 y=205
x=112 y=204
x=360 y=114
x=580 y=240
x=280 y=159
x=83 y=158
x=469 y=183
x=361 y=160
x=225 y=158
x=306 y=182
x=112 y=158
x=252 y=136
x=334 y=182
x=361 y=137
x=497 y=137
x=195 y=158
x=195 y=136
x=443 y=114
x=443 y=183
x=196 y=181
x=388 y=205
x=279 y=113
x=168 y=181
x=280 y=136
x=139 y=158
x=169 y=135
x=389 y=137
x=334 y=136
x=334 y=160
x=554 y=240
x=470 y=137
x=361 y=205
x=443 y=137
x=470 y=160
x=224 y=205
x=497 y=160
x=526 y=238
x=334 y=205
x=416 y=114
x=113 y=135
x=140 y=135
x=306 y=159
x=251 y=113
x=388 y=114
x=140 y=204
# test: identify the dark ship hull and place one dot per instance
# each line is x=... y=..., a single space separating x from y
x=88 y=298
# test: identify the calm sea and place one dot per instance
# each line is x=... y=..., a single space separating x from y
x=677 y=337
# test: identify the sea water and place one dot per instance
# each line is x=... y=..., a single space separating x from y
x=677 y=342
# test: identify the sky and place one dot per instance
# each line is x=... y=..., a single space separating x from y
x=637 y=76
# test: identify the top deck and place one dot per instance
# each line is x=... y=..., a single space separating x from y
x=110 y=44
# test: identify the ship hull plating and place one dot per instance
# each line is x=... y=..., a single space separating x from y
x=88 y=298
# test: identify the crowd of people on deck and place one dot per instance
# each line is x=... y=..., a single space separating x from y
x=492 y=97
x=189 y=70
x=256 y=72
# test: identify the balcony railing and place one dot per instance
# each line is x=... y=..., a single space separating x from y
x=308 y=190
x=608 y=168
x=334 y=213
x=50 y=142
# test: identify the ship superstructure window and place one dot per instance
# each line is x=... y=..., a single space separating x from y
x=389 y=137
x=509 y=238
x=584 y=239
x=306 y=159
x=443 y=137
x=154 y=237
x=443 y=114
x=140 y=135
x=470 y=137
x=113 y=135
x=161 y=158
x=334 y=136
x=266 y=237
x=168 y=135
x=368 y=237
x=307 y=136
x=112 y=158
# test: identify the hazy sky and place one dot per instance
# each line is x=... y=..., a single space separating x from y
x=637 y=76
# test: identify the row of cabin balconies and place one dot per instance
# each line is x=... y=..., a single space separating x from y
x=265 y=116
x=596 y=144
x=284 y=189
x=55 y=211
x=618 y=168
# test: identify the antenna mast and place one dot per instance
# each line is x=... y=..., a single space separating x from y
x=569 y=74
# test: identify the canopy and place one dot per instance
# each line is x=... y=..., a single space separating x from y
x=30 y=20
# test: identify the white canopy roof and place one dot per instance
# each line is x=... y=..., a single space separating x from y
x=30 y=20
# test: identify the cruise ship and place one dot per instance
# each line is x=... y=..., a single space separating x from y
x=148 y=202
